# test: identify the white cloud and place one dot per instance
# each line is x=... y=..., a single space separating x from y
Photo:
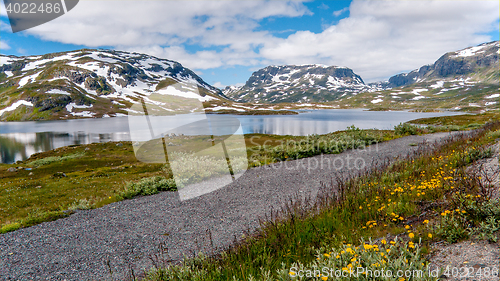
x=3 y=12
x=146 y=23
x=161 y=28
x=219 y=85
x=381 y=38
x=200 y=59
x=4 y=46
x=377 y=40
x=341 y=11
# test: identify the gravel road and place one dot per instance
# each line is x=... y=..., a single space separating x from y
x=106 y=243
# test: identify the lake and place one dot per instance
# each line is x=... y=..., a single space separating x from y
x=19 y=140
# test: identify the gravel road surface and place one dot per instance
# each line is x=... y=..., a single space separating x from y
x=106 y=243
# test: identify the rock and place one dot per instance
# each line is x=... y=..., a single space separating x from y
x=87 y=148
x=12 y=169
x=59 y=175
x=30 y=174
x=119 y=144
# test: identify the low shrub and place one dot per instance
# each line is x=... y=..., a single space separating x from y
x=47 y=160
x=148 y=186
x=82 y=204
x=404 y=129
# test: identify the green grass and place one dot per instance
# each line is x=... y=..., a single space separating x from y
x=401 y=98
x=90 y=176
x=464 y=121
x=409 y=200
x=60 y=178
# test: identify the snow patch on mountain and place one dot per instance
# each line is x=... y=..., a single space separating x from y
x=15 y=105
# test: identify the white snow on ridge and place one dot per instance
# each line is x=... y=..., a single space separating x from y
x=83 y=114
x=72 y=105
x=418 y=98
x=189 y=94
x=9 y=73
x=15 y=105
x=470 y=51
x=58 y=92
x=36 y=64
x=491 y=103
x=227 y=108
x=95 y=56
x=377 y=101
x=418 y=91
x=493 y=96
x=29 y=78
x=6 y=60
x=439 y=84
x=442 y=91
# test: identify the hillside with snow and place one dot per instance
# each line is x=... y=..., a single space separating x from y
x=93 y=83
x=299 y=84
x=463 y=80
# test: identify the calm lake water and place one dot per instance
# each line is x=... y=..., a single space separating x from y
x=19 y=140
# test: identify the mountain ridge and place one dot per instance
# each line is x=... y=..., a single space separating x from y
x=298 y=83
x=88 y=83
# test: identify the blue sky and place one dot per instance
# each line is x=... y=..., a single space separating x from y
x=225 y=41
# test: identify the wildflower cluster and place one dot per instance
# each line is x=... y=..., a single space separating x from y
x=359 y=262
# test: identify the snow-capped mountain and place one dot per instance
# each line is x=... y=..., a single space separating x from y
x=481 y=60
x=298 y=83
x=466 y=80
x=90 y=83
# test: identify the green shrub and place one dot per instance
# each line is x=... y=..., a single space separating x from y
x=148 y=186
x=52 y=159
x=404 y=129
x=452 y=227
x=487 y=230
x=82 y=204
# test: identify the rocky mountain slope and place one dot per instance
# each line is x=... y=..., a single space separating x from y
x=298 y=83
x=466 y=80
x=93 y=83
x=478 y=63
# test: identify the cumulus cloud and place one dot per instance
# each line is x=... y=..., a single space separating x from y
x=381 y=38
x=145 y=23
x=162 y=28
x=4 y=46
x=219 y=85
x=340 y=12
x=377 y=40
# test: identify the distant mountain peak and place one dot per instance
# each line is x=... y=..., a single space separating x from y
x=298 y=83
x=452 y=64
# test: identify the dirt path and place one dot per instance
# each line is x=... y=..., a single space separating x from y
x=125 y=234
